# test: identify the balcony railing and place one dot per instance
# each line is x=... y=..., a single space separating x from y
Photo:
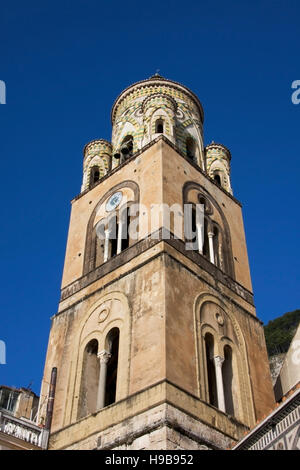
x=23 y=429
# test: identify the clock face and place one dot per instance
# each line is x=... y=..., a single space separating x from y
x=114 y=201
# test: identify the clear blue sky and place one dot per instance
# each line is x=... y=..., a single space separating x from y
x=64 y=63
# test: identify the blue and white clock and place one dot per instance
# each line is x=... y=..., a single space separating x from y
x=114 y=201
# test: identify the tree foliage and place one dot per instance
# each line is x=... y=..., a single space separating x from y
x=279 y=332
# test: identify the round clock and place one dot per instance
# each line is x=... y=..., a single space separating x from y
x=113 y=201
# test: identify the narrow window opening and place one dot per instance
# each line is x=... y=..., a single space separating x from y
x=127 y=146
x=190 y=148
x=216 y=246
x=94 y=175
x=206 y=242
x=112 y=366
x=114 y=230
x=159 y=126
x=211 y=372
x=194 y=226
x=125 y=225
x=217 y=179
x=227 y=373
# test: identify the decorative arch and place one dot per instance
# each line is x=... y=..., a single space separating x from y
x=127 y=126
x=109 y=313
x=90 y=244
x=213 y=315
x=218 y=167
x=164 y=114
x=214 y=205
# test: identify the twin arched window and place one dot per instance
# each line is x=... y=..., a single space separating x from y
x=206 y=235
x=210 y=233
x=99 y=374
x=219 y=372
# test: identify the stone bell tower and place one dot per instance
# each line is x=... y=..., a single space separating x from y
x=156 y=346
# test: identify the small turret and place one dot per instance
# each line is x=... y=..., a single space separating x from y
x=218 y=164
x=96 y=162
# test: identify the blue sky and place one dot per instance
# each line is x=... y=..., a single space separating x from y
x=65 y=62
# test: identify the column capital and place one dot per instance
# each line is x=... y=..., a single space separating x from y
x=104 y=356
x=210 y=234
x=218 y=361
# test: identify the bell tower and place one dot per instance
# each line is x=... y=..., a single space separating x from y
x=156 y=341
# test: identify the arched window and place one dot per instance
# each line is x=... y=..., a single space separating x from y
x=112 y=345
x=227 y=374
x=159 y=126
x=127 y=146
x=211 y=371
x=217 y=178
x=89 y=380
x=190 y=148
x=94 y=175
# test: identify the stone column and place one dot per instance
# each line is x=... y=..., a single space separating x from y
x=211 y=247
x=218 y=360
x=106 y=245
x=200 y=237
x=104 y=357
x=120 y=234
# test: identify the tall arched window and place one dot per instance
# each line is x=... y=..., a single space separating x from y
x=212 y=232
x=89 y=380
x=114 y=234
x=103 y=239
x=190 y=148
x=159 y=126
x=94 y=175
x=227 y=373
x=112 y=341
x=211 y=371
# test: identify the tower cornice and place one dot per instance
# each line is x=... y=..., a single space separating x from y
x=215 y=145
x=152 y=81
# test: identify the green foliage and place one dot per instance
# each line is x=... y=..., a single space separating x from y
x=279 y=332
